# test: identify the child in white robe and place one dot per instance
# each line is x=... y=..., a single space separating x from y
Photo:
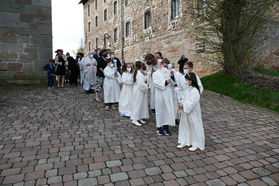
x=140 y=99
x=111 y=85
x=191 y=132
x=164 y=106
x=125 y=99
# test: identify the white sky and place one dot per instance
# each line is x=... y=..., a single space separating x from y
x=67 y=25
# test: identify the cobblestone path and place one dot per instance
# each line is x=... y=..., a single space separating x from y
x=63 y=137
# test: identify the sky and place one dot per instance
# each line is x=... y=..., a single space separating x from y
x=67 y=25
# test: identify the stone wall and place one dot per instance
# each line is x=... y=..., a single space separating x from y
x=170 y=37
x=25 y=40
x=270 y=54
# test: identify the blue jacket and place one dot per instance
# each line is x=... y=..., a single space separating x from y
x=50 y=69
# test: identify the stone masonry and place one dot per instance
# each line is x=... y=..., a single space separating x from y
x=170 y=36
x=25 y=40
x=167 y=35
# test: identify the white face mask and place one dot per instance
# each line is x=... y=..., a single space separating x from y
x=112 y=56
x=169 y=66
x=186 y=71
x=129 y=69
x=186 y=83
x=91 y=56
x=111 y=65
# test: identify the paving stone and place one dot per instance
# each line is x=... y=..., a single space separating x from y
x=261 y=171
x=118 y=177
x=180 y=174
x=55 y=179
x=94 y=173
x=269 y=181
x=276 y=165
x=51 y=173
x=87 y=181
x=215 y=182
x=114 y=163
x=80 y=175
x=153 y=171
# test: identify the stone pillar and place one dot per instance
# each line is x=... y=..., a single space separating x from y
x=25 y=40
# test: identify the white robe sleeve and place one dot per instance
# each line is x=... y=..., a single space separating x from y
x=141 y=84
x=126 y=78
x=191 y=100
x=200 y=84
x=159 y=81
x=109 y=73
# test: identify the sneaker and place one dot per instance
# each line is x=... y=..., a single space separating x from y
x=180 y=146
x=136 y=123
x=167 y=132
x=160 y=132
x=113 y=107
x=48 y=87
x=107 y=108
x=193 y=148
x=52 y=87
x=142 y=122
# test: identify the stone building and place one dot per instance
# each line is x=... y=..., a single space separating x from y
x=25 y=40
x=133 y=28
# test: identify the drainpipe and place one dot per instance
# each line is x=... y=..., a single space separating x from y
x=122 y=30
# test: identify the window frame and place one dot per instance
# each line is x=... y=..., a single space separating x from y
x=115 y=8
x=145 y=19
x=115 y=35
x=96 y=21
x=175 y=6
x=105 y=14
x=128 y=34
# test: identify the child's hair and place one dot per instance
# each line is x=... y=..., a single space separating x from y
x=125 y=66
x=51 y=60
x=144 y=66
x=152 y=58
x=108 y=60
x=191 y=76
x=190 y=64
x=160 y=54
x=138 y=66
x=165 y=61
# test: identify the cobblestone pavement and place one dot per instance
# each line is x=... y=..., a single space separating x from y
x=62 y=137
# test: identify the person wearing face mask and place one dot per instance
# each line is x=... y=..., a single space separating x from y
x=164 y=106
x=183 y=60
x=140 y=96
x=115 y=61
x=191 y=132
x=88 y=66
x=178 y=88
x=111 y=86
x=79 y=58
x=126 y=98
x=188 y=67
x=153 y=65
x=101 y=65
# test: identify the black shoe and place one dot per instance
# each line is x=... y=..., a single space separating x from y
x=91 y=91
x=87 y=92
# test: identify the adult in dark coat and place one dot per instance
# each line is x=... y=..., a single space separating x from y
x=73 y=66
x=115 y=61
x=183 y=60
x=101 y=65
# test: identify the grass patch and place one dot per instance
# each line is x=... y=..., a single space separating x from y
x=232 y=87
x=267 y=72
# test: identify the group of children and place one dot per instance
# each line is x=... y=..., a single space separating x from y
x=173 y=95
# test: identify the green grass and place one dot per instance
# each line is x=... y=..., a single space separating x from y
x=267 y=72
x=231 y=86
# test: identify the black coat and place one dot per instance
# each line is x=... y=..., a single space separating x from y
x=101 y=64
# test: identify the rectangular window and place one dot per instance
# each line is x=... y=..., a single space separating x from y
x=96 y=21
x=89 y=46
x=127 y=2
x=96 y=4
x=174 y=9
x=147 y=19
x=105 y=41
x=115 y=7
x=88 y=10
x=105 y=14
x=97 y=42
x=115 y=35
x=89 y=27
x=128 y=29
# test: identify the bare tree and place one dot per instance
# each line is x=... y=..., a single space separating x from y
x=232 y=30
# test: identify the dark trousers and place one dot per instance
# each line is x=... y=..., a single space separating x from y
x=50 y=82
x=73 y=77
